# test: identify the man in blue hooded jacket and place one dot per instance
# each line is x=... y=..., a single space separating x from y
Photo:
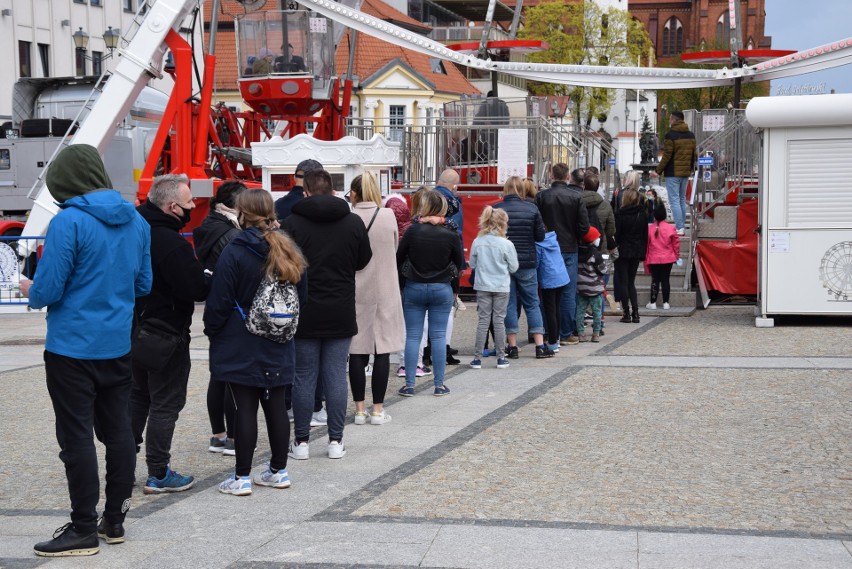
x=96 y=262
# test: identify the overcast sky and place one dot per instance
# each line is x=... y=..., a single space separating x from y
x=800 y=24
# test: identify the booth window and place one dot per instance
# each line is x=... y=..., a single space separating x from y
x=25 y=59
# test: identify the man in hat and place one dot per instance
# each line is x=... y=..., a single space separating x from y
x=96 y=262
x=283 y=206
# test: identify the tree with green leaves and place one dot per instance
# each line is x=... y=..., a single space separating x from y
x=583 y=33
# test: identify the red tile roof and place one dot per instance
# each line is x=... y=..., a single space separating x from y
x=372 y=54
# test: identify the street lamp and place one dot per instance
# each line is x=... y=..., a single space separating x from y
x=81 y=41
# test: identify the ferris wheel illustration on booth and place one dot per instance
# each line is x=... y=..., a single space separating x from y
x=835 y=271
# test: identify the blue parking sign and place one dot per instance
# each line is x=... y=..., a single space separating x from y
x=706 y=161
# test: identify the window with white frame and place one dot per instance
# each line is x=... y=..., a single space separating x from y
x=397 y=122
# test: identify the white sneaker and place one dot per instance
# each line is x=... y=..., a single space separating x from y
x=368 y=371
x=361 y=417
x=681 y=232
x=320 y=418
x=236 y=486
x=336 y=449
x=666 y=306
x=651 y=306
x=380 y=418
x=278 y=479
x=290 y=415
x=299 y=451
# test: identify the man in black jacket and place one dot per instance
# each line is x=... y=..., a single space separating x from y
x=284 y=206
x=159 y=388
x=563 y=211
x=334 y=241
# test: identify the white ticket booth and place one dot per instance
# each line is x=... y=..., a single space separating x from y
x=805 y=245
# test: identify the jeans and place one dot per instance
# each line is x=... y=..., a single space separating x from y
x=676 y=190
x=584 y=302
x=437 y=300
x=568 y=306
x=491 y=307
x=320 y=359
x=157 y=399
x=524 y=285
x=89 y=394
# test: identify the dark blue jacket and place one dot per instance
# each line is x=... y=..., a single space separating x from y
x=525 y=228
x=284 y=206
x=237 y=355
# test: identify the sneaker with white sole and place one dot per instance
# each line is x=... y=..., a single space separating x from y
x=423 y=371
x=278 y=479
x=336 y=449
x=320 y=418
x=368 y=371
x=290 y=415
x=299 y=451
x=361 y=417
x=502 y=363
x=236 y=485
x=216 y=445
x=476 y=363
x=666 y=306
x=651 y=306
x=379 y=418
x=400 y=371
x=230 y=449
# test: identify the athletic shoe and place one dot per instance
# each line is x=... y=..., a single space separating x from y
x=553 y=347
x=361 y=417
x=171 y=482
x=570 y=340
x=229 y=448
x=290 y=415
x=681 y=232
x=236 y=485
x=299 y=451
x=320 y=418
x=278 y=479
x=502 y=363
x=486 y=352
x=666 y=306
x=111 y=532
x=216 y=445
x=476 y=363
x=542 y=352
x=380 y=418
x=451 y=361
x=67 y=542
x=406 y=391
x=441 y=390
x=400 y=371
x=512 y=352
x=368 y=371
x=651 y=306
x=583 y=339
x=423 y=371
x=336 y=449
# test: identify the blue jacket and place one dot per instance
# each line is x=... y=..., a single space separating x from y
x=551 y=267
x=526 y=228
x=237 y=355
x=494 y=259
x=96 y=262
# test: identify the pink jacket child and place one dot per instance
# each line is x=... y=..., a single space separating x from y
x=663 y=251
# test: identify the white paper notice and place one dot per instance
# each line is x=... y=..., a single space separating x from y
x=779 y=241
x=511 y=153
x=319 y=25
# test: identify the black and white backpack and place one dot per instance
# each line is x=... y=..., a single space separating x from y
x=274 y=312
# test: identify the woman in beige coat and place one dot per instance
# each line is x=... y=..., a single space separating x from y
x=378 y=304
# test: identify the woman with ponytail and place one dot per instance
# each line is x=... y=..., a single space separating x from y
x=255 y=369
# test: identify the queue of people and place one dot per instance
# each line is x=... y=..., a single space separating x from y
x=363 y=282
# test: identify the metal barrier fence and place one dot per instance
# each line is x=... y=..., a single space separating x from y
x=12 y=267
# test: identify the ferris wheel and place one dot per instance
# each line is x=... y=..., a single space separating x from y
x=835 y=271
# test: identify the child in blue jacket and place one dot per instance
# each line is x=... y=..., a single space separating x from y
x=552 y=278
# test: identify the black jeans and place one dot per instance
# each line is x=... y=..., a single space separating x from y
x=551 y=300
x=157 y=399
x=245 y=400
x=358 y=377
x=625 y=280
x=660 y=280
x=86 y=395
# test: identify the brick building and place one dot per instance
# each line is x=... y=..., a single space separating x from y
x=677 y=26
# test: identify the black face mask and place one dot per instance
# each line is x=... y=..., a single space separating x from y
x=187 y=213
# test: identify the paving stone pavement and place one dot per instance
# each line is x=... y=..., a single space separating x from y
x=688 y=442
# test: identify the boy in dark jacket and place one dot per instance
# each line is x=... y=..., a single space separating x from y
x=590 y=286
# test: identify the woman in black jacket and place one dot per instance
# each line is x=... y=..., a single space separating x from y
x=210 y=238
x=631 y=227
x=429 y=258
x=255 y=369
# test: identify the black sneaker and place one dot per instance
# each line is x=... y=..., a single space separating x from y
x=512 y=352
x=67 y=542
x=542 y=352
x=111 y=532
